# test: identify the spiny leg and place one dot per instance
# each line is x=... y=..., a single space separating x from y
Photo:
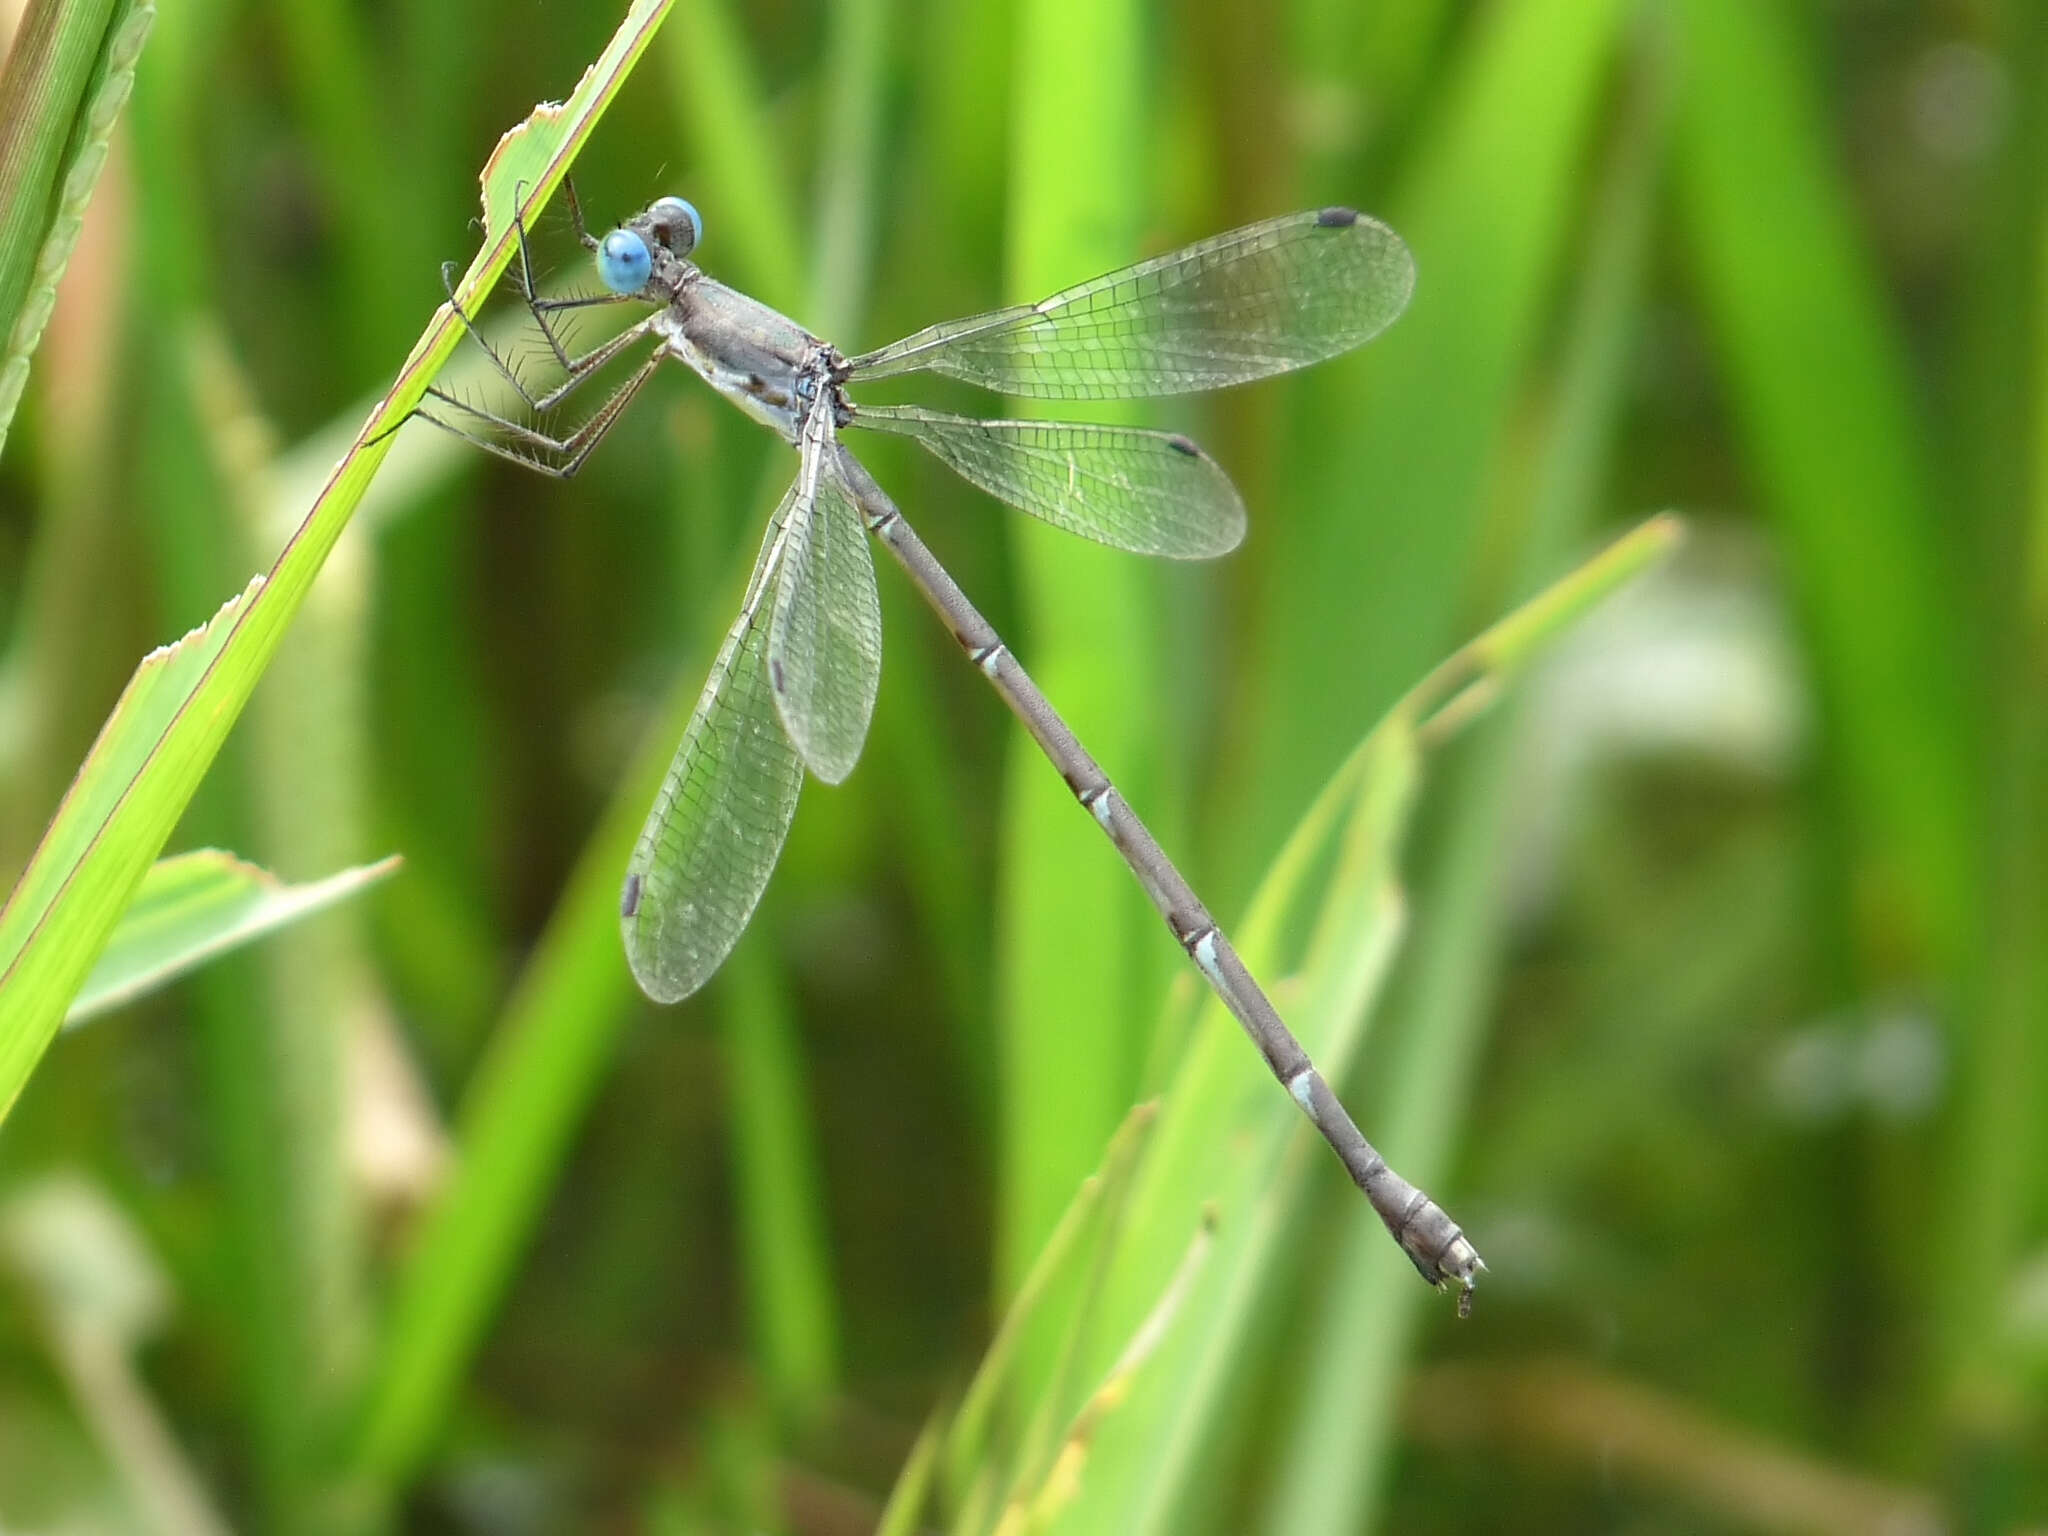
x=541 y=308
x=530 y=447
x=583 y=235
x=577 y=369
x=542 y=449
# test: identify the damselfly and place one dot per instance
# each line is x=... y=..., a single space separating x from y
x=794 y=684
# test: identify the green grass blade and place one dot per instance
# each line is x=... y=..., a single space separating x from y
x=1041 y=1502
x=747 y=191
x=849 y=162
x=559 y=1034
x=1391 y=450
x=1226 y=1140
x=47 y=951
x=524 y=1102
x=779 y=1192
x=902 y=1514
x=2001 y=1155
x=164 y=734
x=968 y=1437
x=51 y=58
x=1817 y=375
x=1069 y=957
x=1338 y=1452
x=366 y=166
x=526 y=1099
x=1226 y=1137
x=194 y=906
x=957 y=53
x=1037 y=1362
x=66 y=78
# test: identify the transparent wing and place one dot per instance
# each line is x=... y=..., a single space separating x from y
x=718 y=824
x=1236 y=307
x=825 y=643
x=1154 y=493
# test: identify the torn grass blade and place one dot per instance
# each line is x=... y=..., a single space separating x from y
x=163 y=735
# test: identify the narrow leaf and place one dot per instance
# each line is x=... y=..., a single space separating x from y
x=150 y=757
x=1225 y=1135
x=194 y=906
x=66 y=80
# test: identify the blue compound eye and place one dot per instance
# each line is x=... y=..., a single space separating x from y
x=624 y=262
x=676 y=224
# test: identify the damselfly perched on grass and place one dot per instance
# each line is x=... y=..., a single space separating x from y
x=794 y=684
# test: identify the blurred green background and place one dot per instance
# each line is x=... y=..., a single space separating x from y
x=1716 y=1018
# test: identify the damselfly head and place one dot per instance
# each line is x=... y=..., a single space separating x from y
x=676 y=224
x=625 y=257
